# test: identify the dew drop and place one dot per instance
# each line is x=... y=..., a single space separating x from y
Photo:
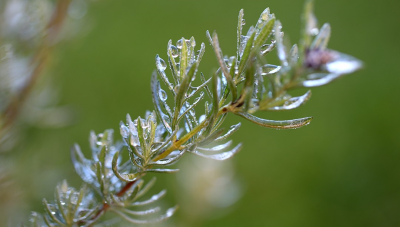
x=226 y=61
x=152 y=117
x=176 y=88
x=231 y=60
x=243 y=42
x=314 y=31
x=265 y=15
x=243 y=21
x=74 y=198
x=202 y=118
x=264 y=47
x=170 y=212
x=144 y=123
x=133 y=128
x=174 y=51
x=179 y=44
x=135 y=141
x=163 y=95
x=147 y=114
x=192 y=42
x=124 y=130
x=160 y=63
x=128 y=118
x=269 y=69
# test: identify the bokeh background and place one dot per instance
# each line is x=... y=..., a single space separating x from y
x=342 y=170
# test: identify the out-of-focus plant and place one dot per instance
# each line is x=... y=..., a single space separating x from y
x=242 y=85
x=29 y=32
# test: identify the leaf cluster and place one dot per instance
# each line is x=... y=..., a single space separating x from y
x=243 y=84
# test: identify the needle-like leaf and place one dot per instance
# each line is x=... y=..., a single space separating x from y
x=285 y=124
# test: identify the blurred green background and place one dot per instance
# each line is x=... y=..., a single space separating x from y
x=342 y=170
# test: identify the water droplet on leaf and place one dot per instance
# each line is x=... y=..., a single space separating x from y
x=160 y=63
x=163 y=95
x=192 y=42
x=179 y=44
x=269 y=69
x=174 y=51
x=124 y=130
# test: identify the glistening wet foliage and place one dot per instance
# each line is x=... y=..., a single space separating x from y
x=243 y=84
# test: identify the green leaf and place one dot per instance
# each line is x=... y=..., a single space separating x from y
x=239 y=31
x=321 y=41
x=201 y=53
x=181 y=94
x=203 y=80
x=146 y=188
x=264 y=33
x=99 y=176
x=233 y=67
x=224 y=68
x=246 y=54
x=215 y=106
x=285 y=124
x=163 y=76
x=232 y=129
x=307 y=20
x=167 y=162
x=172 y=63
x=288 y=104
x=153 y=127
x=209 y=39
x=197 y=100
x=142 y=213
x=168 y=214
x=80 y=198
x=218 y=122
x=155 y=87
x=117 y=201
x=60 y=206
x=219 y=147
x=102 y=155
x=124 y=177
x=136 y=187
x=162 y=170
x=153 y=199
x=209 y=139
x=166 y=142
x=199 y=88
x=248 y=88
x=221 y=156
x=143 y=143
x=184 y=59
x=51 y=213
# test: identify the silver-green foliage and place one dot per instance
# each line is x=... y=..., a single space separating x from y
x=243 y=84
